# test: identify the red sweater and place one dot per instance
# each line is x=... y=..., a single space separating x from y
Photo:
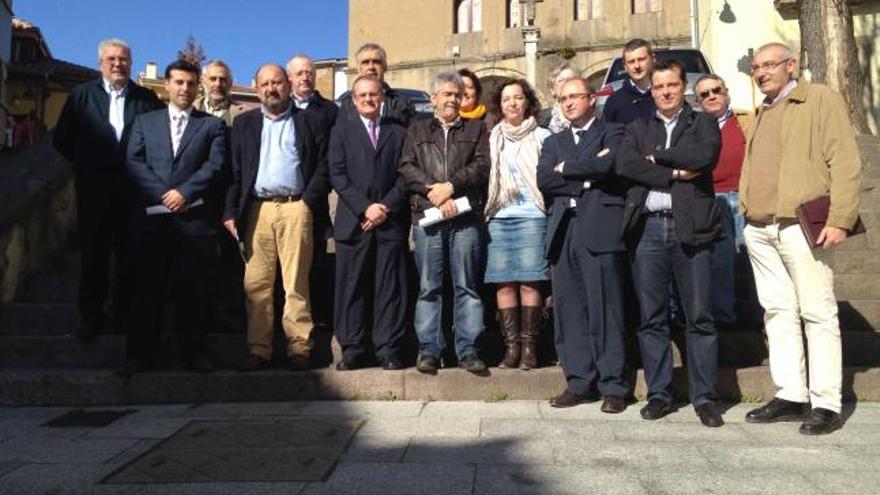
x=733 y=146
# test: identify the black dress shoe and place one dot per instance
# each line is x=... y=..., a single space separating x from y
x=656 y=409
x=821 y=422
x=613 y=404
x=201 y=364
x=390 y=363
x=132 y=366
x=347 y=365
x=253 y=363
x=709 y=415
x=778 y=410
x=428 y=364
x=568 y=399
x=472 y=364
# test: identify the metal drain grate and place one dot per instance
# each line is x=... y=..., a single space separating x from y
x=301 y=449
x=79 y=418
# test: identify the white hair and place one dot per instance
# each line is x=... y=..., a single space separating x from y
x=107 y=43
x=783 y=48
x=447 y=77
x=216 y=62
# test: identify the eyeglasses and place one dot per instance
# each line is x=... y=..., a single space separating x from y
x=768 y=66
x=717 y=90
x=577 y=96
x=116 y=60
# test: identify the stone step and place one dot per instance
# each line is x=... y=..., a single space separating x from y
x=859 y=315
x=857 y=286
x=854 y=262
x=38 y=318
x=69 y=387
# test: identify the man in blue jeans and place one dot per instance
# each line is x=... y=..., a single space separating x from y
x=671 y=221
x=445 y=166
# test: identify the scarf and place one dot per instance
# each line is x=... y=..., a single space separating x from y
x=477 y=113
x=502 y=185
x=558 y=122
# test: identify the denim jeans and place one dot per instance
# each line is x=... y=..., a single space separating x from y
x=724 y=263
x=659 y=258
x=457 y=246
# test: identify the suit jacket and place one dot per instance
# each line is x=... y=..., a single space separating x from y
x=363 y=175
x=311 y=144
x=84 y=135
x=397 y=108
x=600 y=207
x=695 y=145
x=194 y=170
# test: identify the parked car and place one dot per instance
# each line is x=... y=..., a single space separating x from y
x=694 y=62
x=421 y=100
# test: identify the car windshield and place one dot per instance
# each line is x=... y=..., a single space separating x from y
x=693 y=62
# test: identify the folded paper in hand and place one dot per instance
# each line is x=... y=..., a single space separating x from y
x=434 y=215
x=163 y=210
x=813 y=215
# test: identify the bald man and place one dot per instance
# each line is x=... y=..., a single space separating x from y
x=279 y=162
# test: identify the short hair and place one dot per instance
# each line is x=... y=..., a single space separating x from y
x=710 y=77
x=786 y=51
x=367 y=77
x=447 y=77
x=369 y=46
x=559 y=69
x=216 y=62
x=478 y=87
x=636 y=43
x=260 y=68
x=584 y=83
x=182 y=65
x=533 y=105
x=107 y=43
x=296 y=56
x=671 y=64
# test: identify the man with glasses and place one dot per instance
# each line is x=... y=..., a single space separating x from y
x=585 y=250
x=92 y=133
x=713 y=98
x=802 y=147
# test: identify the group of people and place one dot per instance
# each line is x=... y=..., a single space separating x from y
x=644 y=207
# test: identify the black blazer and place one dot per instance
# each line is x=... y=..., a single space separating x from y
x=326 y=112
x=194 y=171
x=599 y=208
x=311 y=143
x=84 y=135
x=362 y=175
x=695 y=145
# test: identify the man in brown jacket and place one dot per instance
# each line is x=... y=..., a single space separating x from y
x=801 y=147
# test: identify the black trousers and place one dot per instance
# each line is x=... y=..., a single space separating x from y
x=588 y=316
x=103 y=213
x=166 y=258
x=371 y=296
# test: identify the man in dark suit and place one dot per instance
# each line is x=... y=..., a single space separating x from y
x=372 y=223
x=175 y=159
x=301 y=72
x=279 y=179
x=671 y=221
x=372 y=60
x=92 y=133
x=585 y=250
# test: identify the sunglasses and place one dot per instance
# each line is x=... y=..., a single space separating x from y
x=717 y=90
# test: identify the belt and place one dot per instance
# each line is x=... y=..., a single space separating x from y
x=783 y=222
x=659 y=214
x=282 y=199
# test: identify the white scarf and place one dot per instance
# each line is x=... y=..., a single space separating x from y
x=502 y=186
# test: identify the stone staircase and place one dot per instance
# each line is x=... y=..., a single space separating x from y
x=41 y=364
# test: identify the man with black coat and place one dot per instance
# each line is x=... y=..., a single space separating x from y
x=671 y=221
x=633 y=100
x=92 y=133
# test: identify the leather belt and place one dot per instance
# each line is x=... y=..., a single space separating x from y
x=659 y=214
x=282 y=199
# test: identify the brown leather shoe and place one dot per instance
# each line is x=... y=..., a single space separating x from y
x=613 y=404
x=568 y=399
x=299 y=362
x=508 y=322
x=530 y=320
x=253 y=363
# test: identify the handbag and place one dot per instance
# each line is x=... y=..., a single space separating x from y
x=813 y=215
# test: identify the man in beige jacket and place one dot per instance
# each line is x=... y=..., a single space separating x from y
x=801 y=147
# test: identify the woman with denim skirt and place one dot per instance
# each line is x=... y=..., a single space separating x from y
x=517 y=222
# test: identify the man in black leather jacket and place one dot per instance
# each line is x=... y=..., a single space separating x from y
x=445 y=166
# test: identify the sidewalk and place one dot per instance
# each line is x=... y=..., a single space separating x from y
x=401 y=447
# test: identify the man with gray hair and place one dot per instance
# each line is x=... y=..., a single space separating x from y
x=92 y=133
x=372 y=59
x=801 y=148
x=552 y=117
x=216 y=87
x=445 y=165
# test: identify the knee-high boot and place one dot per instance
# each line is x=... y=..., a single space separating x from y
x=509 y=322
x=531 y=319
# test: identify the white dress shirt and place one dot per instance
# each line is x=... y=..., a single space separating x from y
x=179 y=119
x=116 y=115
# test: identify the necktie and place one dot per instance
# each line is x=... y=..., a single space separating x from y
x=582 y=135
x=374 y=136
x=117 y=119
x=177 y=133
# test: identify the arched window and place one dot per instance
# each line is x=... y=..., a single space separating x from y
x=644 y=6
x=468 y=16
x=516 y=14
x=588 y=9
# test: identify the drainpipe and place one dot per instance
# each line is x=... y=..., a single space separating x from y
x=695 y=26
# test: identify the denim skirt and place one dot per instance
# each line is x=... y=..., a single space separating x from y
x=515 y=250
